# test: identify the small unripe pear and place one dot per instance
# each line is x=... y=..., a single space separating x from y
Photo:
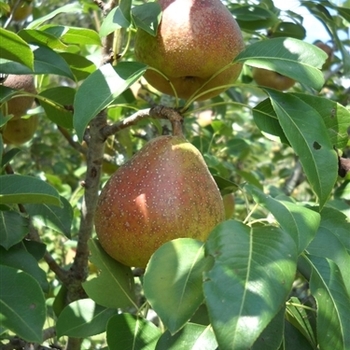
x=195 y=39
x=20 y=131
x=229 y=205
x=271 y=79
x=18 y=106
x=164 y=192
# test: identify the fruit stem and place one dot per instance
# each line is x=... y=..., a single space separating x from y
x=174 y=116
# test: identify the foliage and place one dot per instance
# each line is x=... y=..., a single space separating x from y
x=275 y=276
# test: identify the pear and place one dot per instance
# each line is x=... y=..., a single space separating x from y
x=328 y=50
x=165 y=191
x=195 y=40
x=18 y=106
x=20 y=131
x=271 y=79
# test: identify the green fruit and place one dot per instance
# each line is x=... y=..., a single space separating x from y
x=272 y=79
x=23 y=10
x=20 y=131
x=18 y=106
x=195 y=39
x=164 y=192
x=229 y=205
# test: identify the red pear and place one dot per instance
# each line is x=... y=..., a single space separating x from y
x=195 y=39
x=164 y=192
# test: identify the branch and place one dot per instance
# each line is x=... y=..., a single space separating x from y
x=158 y=112
x=68 y=137
x=79 y=269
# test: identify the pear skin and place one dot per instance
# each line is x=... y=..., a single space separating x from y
x=271 y=79
x=18 y=106
x=195 y=39
x=164 y=192
x=20 y=131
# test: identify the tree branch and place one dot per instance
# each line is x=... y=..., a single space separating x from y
x=159 y=112
x=79 y=269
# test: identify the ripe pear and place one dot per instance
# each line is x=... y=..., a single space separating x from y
x=18 y=106
x=22 y=11
x=20 y=131
x=195 y=39
x=272 y=79
x=328 y=50
x=164 y=192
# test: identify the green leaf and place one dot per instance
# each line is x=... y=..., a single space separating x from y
x=59 y=219
x=80 y=36
x=19 y=258
x=338 y=223
x=297 y=316
x=80 y=66
x=327 y=245
x=333 y=316
x=114 y=286
x=289 y=29
x=251 y=278
x=22 y=302
x=69 y=8
x=308 y=135
x=47 y=61
x=147 y=17
x=293 y=339
x=13 y=48
x=299 y=222
x=118 y=18
x=191 y=337
x=271 y=337
x=57 y=98
x=252 y=18
x=335 y=116
x=83 y=318
x=288 y=56
x=34 y=36
x=24 y=189
x=173 y=281
x=103 y=87
x=126 y=331
x=266 y=120
x=13 y=228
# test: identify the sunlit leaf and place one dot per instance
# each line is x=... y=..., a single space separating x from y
x=299 y=222
x=27 y=189
x=288 y=56
x=307 y=133
x=117 y=18
x=251 y=278
x=13 y=48
x=83 y=318
x=126 y=331
x=173 y=281
x=69 y=8
x=114 y=285
x=147 y=17
x=103 y=87
x=192 y=337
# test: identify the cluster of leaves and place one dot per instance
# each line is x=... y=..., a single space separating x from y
x=273 y=277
